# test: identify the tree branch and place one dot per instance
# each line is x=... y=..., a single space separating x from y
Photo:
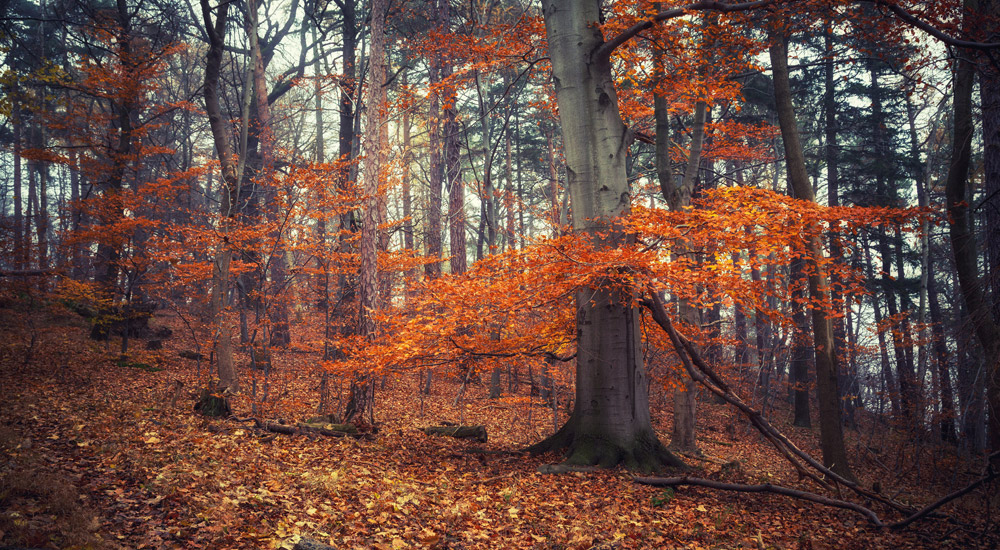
x=989 y=475
x=762 y=488
x=915 y=21
x=604 y=52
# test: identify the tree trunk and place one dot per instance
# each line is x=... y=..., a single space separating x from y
x=800 y=346
x=964 y=246
x=361 y=401
x=610 y=423
x=831 y=434
x=277 y=308
x=433 y=226
x=19 y=246
x=228 y=195
x=678 y=197
x=374 y=149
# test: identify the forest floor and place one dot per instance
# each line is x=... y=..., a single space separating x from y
x=94 y=455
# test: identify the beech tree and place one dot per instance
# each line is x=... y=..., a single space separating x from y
x=610 y=422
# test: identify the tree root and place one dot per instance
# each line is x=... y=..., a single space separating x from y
x=646 y=454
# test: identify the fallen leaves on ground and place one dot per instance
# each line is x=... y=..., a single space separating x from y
x=95 y=457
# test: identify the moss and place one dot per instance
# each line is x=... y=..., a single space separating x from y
x=645 y=453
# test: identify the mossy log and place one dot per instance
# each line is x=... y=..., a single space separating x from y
x=461 y=432
x=329 y=430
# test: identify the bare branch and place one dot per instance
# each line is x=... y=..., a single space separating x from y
x=762 y=488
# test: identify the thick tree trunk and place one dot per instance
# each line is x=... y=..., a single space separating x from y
x=374 y=150
x=347 y=284
x=831 y=434
x=610 y=423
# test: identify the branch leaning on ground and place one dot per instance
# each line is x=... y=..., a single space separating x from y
x=701 y=372
x=710 y=379
x=762 y=488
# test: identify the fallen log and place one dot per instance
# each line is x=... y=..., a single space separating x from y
x=460 y=432
x=309 y=544
x=298 y=542
x=305 y=429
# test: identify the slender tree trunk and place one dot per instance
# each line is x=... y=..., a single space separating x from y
x=831 y=434
x=800 y=345
x=434 y=246
x=322 y=278
x=19 y=246
x=75 y=214
x=276 y=305
x=42 y=212
x=678 y=197
x=891 y=388
x=362 y=386
x=984 y=325
x=454 y=183
x=847 y=381
x=408 y=242
x=989 y=94
x=228 y=196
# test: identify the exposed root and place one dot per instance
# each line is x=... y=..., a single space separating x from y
x=644 y=454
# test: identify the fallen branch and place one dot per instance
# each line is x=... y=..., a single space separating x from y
x=703 y=373
x=988 y=475
x=762 y=488
x=699 y=370
x=302 y=429
x=26 y=272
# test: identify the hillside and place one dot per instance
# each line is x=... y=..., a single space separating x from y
x=103 y=454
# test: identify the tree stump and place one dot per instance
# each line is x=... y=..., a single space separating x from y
x=213 y=405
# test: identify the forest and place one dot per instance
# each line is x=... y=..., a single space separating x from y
x=556 y=274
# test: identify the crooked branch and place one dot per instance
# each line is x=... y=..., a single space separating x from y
x=762 y=488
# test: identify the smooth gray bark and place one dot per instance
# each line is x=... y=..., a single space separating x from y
x=610 y=423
